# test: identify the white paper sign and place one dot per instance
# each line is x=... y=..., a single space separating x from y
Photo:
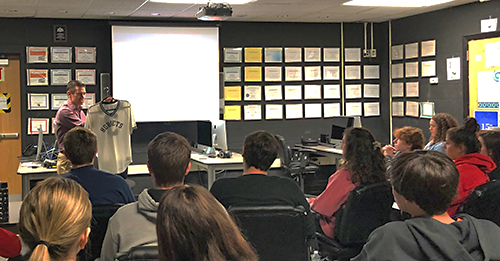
x=488 y=25
x=453 y=68
x=3 y=103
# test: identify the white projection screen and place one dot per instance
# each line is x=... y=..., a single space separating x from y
x=167 y=73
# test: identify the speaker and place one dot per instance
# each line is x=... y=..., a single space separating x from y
x=225 y=154
x=105 y=85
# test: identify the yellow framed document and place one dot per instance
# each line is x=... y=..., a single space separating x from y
x=253 y=74
x=232 y=113
x=253 y=55
x=232 y=93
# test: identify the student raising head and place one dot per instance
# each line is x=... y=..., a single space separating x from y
x=363 y=164
x=54 y=220
x=192 y=225
x=463 y=147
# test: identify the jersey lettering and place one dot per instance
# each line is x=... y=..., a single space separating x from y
x=111 y=123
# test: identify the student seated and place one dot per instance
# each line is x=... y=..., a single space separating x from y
x=80 y=147
x=424 y=183
x=490 y=146
x=169 y=157
x=11 y=245
x=438 y=126
x=192 y=225
x=407 y=139
x=463 y=147
x=255 y=187
x=363 y=164
x=54 y=220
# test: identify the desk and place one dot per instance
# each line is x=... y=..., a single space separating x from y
x=325 y=151
x=198 y=160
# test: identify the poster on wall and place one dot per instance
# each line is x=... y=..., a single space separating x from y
x=486 y=119
x=429 y=48
x=453 y=68
x=274 y=111
x=427 y=110
x=232 y=93
x=232 y=74
x=488 y=89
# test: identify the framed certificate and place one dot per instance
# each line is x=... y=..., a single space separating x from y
x=38 y=101
x=293 y=55
x=312 y=54
x=60 y=76
x=37 y=54
x=89 y=100
x=232 y=74
x=232 y=55
x=331 y=72
x=312 y=73
x=272 y=74
x=85 y=54
x=37 y=77
x=293 y=73
x=85 y=76
x=273 y=55
x=253 y=55
x=61 y=55
x=35 y=123
x=57 y=100
x=331 y=54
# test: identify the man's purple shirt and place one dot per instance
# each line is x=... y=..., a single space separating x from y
x=68 y=117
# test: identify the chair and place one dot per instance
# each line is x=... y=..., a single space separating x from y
x=367 y=207
x=276 y=232
x=483 y=202
x=100 y=217
x=295 y=162
x=141 y=253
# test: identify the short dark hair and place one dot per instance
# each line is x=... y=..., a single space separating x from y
x=71 y=87
x=428 y=178
x=80 y=145
x=168 y=156
x=466 y=135
x=411 y=135
x=260 y=150
x=193 y=225
x=491 y=140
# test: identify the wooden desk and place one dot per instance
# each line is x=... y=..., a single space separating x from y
x=201 y=161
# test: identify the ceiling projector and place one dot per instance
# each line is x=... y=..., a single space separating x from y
x=214 y=12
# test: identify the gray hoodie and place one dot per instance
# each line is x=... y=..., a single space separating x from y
x=132 y=225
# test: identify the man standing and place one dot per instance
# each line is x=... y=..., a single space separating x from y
x=70 y=115
x=255 y=187
x=169 y=157
x=104 y=188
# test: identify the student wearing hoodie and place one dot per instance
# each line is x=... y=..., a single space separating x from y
x=463 y=147
x=169 y=156
x=423 y=184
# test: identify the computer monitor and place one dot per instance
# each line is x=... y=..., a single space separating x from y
x=339 y=124
x=219 y=136
x=204 y=133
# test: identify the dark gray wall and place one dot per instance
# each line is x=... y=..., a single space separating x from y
x=447 y=27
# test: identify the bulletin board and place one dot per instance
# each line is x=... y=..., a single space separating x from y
x=484 y=77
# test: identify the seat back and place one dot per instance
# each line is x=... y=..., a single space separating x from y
x=276 y=232
x=100 y=217
x=367 y=207
x=284 y=151
x=141 y=253
x=484 y=202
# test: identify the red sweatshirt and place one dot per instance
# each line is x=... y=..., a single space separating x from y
x=10 y=245
x=473 y=169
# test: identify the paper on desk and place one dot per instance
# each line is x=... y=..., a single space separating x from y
x=232 y=112
x=274 y=111
x=331 y=109
x=293 y=92
x=232 y=93
x=273 y=92
x=253 y=112
x=312 y=92
x=313 y=110
x=293 y=111
x=331 y=91
x=253 y=93
x=31 y=164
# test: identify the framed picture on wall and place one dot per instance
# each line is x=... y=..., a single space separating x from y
x=60 y=76
x=37 y=77
x=38 y=123
x=37 y=54
x=85 y=54
x=312 y=54
x=293 y=55
x=89 y=100
x=331 y=54
x=232 y=55
x=38 y=101
x=57 y=100
x=273 y=55
x=61 y=54
x=85 y=76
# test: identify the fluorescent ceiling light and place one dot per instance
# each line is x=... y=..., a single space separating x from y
x=397 y=3
x=231 y=2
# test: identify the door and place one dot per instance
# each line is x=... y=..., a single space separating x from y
x=10 y=124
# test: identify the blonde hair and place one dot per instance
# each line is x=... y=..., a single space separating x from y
x=53 y=216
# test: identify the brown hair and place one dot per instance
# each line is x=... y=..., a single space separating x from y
x=444 y=122
x=71 y=87
x=491 y=140
x=193 y=225
x=80 y=145
x=53 y=216
x=169 y=155
x=363 y=157
x=411 y=135
x=260 y=150
x=428 y=178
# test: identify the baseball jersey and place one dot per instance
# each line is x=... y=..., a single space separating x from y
x=113 y=124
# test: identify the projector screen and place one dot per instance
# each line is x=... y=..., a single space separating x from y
x=167 y=73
